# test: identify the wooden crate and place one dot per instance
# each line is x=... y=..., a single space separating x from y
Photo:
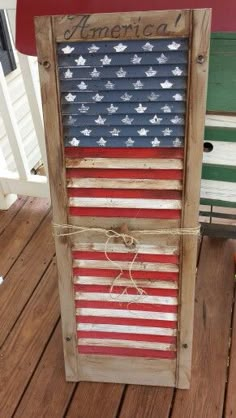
x=146 y=179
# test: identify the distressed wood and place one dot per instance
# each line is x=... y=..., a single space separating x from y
x=113 y=26
x=213 y=305
x=124 y=163
x=201 y=20
x=123 y=184
x=223 y=153
x=55 y=153
x=219 y=191
x=8 y=215
x=230 y=409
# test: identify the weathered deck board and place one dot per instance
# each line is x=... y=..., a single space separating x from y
x=16 y=236
x=48 y=394
x=230 y=409
x=22 y=350
x=214 y=297
x=24 y=276
x=6 y=216
x=148 y=402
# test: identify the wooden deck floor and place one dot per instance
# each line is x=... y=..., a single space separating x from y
x=31 y=361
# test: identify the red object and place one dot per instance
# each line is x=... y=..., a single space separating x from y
x=223 y=13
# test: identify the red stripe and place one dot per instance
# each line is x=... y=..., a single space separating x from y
x=125 y=193
x=129 y=337
x=150 y=275
x=127 y=213
x=124 y=305
x=99 y=255
x=89 y=319
x=124 y=173
x=130 y=352
x=74 y=152
x=130 y=291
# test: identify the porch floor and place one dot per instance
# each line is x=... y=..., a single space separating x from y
x=32 y=380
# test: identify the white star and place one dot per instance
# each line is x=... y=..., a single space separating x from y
x=109 y=85
x=155 y=142
x=148 y=47
x=177 y=71
x=71 y=120
x=155 y=120
x=102 y=142
x=166 y=109
x=75 y=142
x=167 y=132
x=100 y=120
x=143 y=132
x=166 y=85
x=86 y=132
x=136 y=59
x=95 y=73
x=83 y=108
x=138 y=85
x=93 y=48
x=105 y=60
x=177 y=120
x=177 y=142
x=68 y=73
x=82 y=86
x=153 y=96
x=80 y=60
x=162 y=59
x=120 y=47
x=68 y=49
x=127 y=120
x=126 y=97
x=112 y=109
x=150 y=72
x=174 y=46
x=178 y=97
x=70 y=97
x=140 y=108
x=115 y=132
x=130 y=142
x=98 y=98
x=121 y=73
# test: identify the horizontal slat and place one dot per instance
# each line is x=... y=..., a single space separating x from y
x=223 y=153
x=125 y=321
x=126 y=213
x=129 y=287
x=135 y=163
x=121 y=248
x=124 y=173
x=150 y=275
x=106 y=297
x=125 y=343
x=219 y=172
x=126 y=329
x=218 y=190
x=125 y=193
x=127 y=336
x=116 y=313
x=132 y=352
x=125 y=265
x=123 y=282
x=124 y=256
x=118 y=134
x=74 y=152
x=124 y=203
x=120 y=183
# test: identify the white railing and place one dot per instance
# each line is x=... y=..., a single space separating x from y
x=20 y=181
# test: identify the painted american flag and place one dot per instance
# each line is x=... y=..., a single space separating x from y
x=123 y=114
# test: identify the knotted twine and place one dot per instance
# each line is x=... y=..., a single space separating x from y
x=131 y=242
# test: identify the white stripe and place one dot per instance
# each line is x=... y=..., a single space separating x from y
x=116 y=297
x=126 y=344
x=218 y=190
x=223 y=153
x=100 y=202
x=125 y=265
x=129 y=329
x=124 y=282
x=131 y=163
x=125 y=183
x=121 y=248
x=128 y=313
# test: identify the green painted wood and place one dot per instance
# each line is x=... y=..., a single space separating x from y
x=219 y=172
x=220 y=134
x=222 y=74
x=211 y=202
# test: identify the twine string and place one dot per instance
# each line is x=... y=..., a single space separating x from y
x=131 y=242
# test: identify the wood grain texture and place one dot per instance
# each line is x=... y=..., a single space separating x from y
x=24 y=277
x=131 y=25
x=41 y=399
x=24 y=346
x=55 y=153
x=134 y=163
x=214 y=298
x=230 y=406
x=8 y=215
x=194 y=134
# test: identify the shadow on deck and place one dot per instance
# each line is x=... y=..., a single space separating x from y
x=32 y=380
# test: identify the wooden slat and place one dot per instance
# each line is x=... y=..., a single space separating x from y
x=119 y=248
x=55 y=152
x=223 y=153
x=97 y=264
x=19 y=232
x=74 y=152
x=24 y=276
x=218 y=190
x=214 y=297
x=25 y=344
x=104 y=26
x=124 y=163
x=102 y=202
x=125 y=184
x=40 y=398
x=201 y=20
x=7 y=216
x=230 y=406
